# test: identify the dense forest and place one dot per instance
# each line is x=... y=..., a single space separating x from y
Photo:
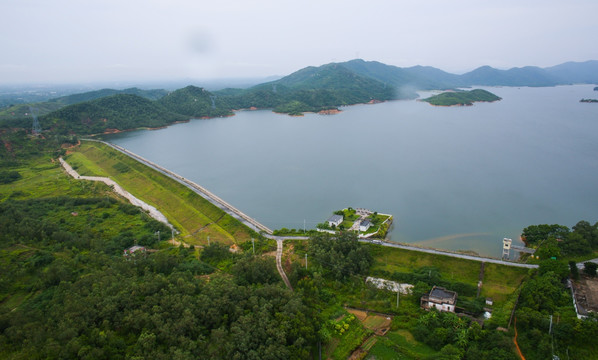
x=116 y=112
x=561 y=242
x=81 y=298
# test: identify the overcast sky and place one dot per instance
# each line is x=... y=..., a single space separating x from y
x=74 y=41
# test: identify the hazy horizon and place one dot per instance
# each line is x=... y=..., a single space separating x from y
x=106 y=41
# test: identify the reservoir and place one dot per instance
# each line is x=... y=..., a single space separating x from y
x=457 y=178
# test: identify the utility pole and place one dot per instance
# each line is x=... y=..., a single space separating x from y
x=305 y=261
x=304 y=226
x=398 y=292
x=253 y=243
x=550 y=326
x=208 y=241
x=172 y=233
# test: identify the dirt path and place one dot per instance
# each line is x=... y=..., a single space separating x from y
x=279 y=247
x=516 y=344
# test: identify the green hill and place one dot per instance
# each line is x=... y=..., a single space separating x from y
x=405 y=80
x=451 y=98
x=92 y=95
x=46 y=107
x=195 y=102
x=526 y=76
x=118 y=112
x=311 y=89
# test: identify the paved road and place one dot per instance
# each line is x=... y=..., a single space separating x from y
x=452 y=254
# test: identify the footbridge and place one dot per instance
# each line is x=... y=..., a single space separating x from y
x=203 y=192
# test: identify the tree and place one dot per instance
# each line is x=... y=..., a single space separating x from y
x=548 y=248
x=574 y=270
x=575 y=244
x=255 y=270
x=534 y=234
x=590 y=268
x=558 y=267
x=342 y=255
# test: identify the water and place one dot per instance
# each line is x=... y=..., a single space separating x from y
x=454 y=178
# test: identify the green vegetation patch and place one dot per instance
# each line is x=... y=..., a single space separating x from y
x=451 y=98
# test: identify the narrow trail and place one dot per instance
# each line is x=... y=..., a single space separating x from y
x=279 y=247
x=516 y=344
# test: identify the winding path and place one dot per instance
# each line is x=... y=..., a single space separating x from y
x=152 y=211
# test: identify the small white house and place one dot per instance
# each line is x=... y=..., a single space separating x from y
x=365 y=225
x=335 y=220
x=439 y=298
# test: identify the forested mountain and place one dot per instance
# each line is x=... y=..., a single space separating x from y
x=427 y=78
x=92 y=95
x=46 y=107
x=526 y=76
x=407 y=80
x=576 y=72
x=310 y=89
x=119 y=112
x=194 y=102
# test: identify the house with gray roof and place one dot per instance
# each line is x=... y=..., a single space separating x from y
x=439 y=298
x=365 y=225
x=335 y=220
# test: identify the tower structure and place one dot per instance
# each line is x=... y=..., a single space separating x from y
x=506 y=248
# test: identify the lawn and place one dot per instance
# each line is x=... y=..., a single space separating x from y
x=399 y=260
x=41 y=177
x=196 y=218
x=500 y=281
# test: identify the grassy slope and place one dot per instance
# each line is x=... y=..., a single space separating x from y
x=43 y=178
x=191 y=214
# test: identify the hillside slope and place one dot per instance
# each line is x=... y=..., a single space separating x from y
x=117 y=112
x=194 y=102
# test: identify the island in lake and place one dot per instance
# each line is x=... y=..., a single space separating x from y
x=589 y=100
x=461 y=98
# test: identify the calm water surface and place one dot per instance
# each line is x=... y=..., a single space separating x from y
x=454 y=178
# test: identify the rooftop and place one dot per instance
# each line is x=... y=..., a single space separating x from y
x=335 y=218
x=442 y=293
